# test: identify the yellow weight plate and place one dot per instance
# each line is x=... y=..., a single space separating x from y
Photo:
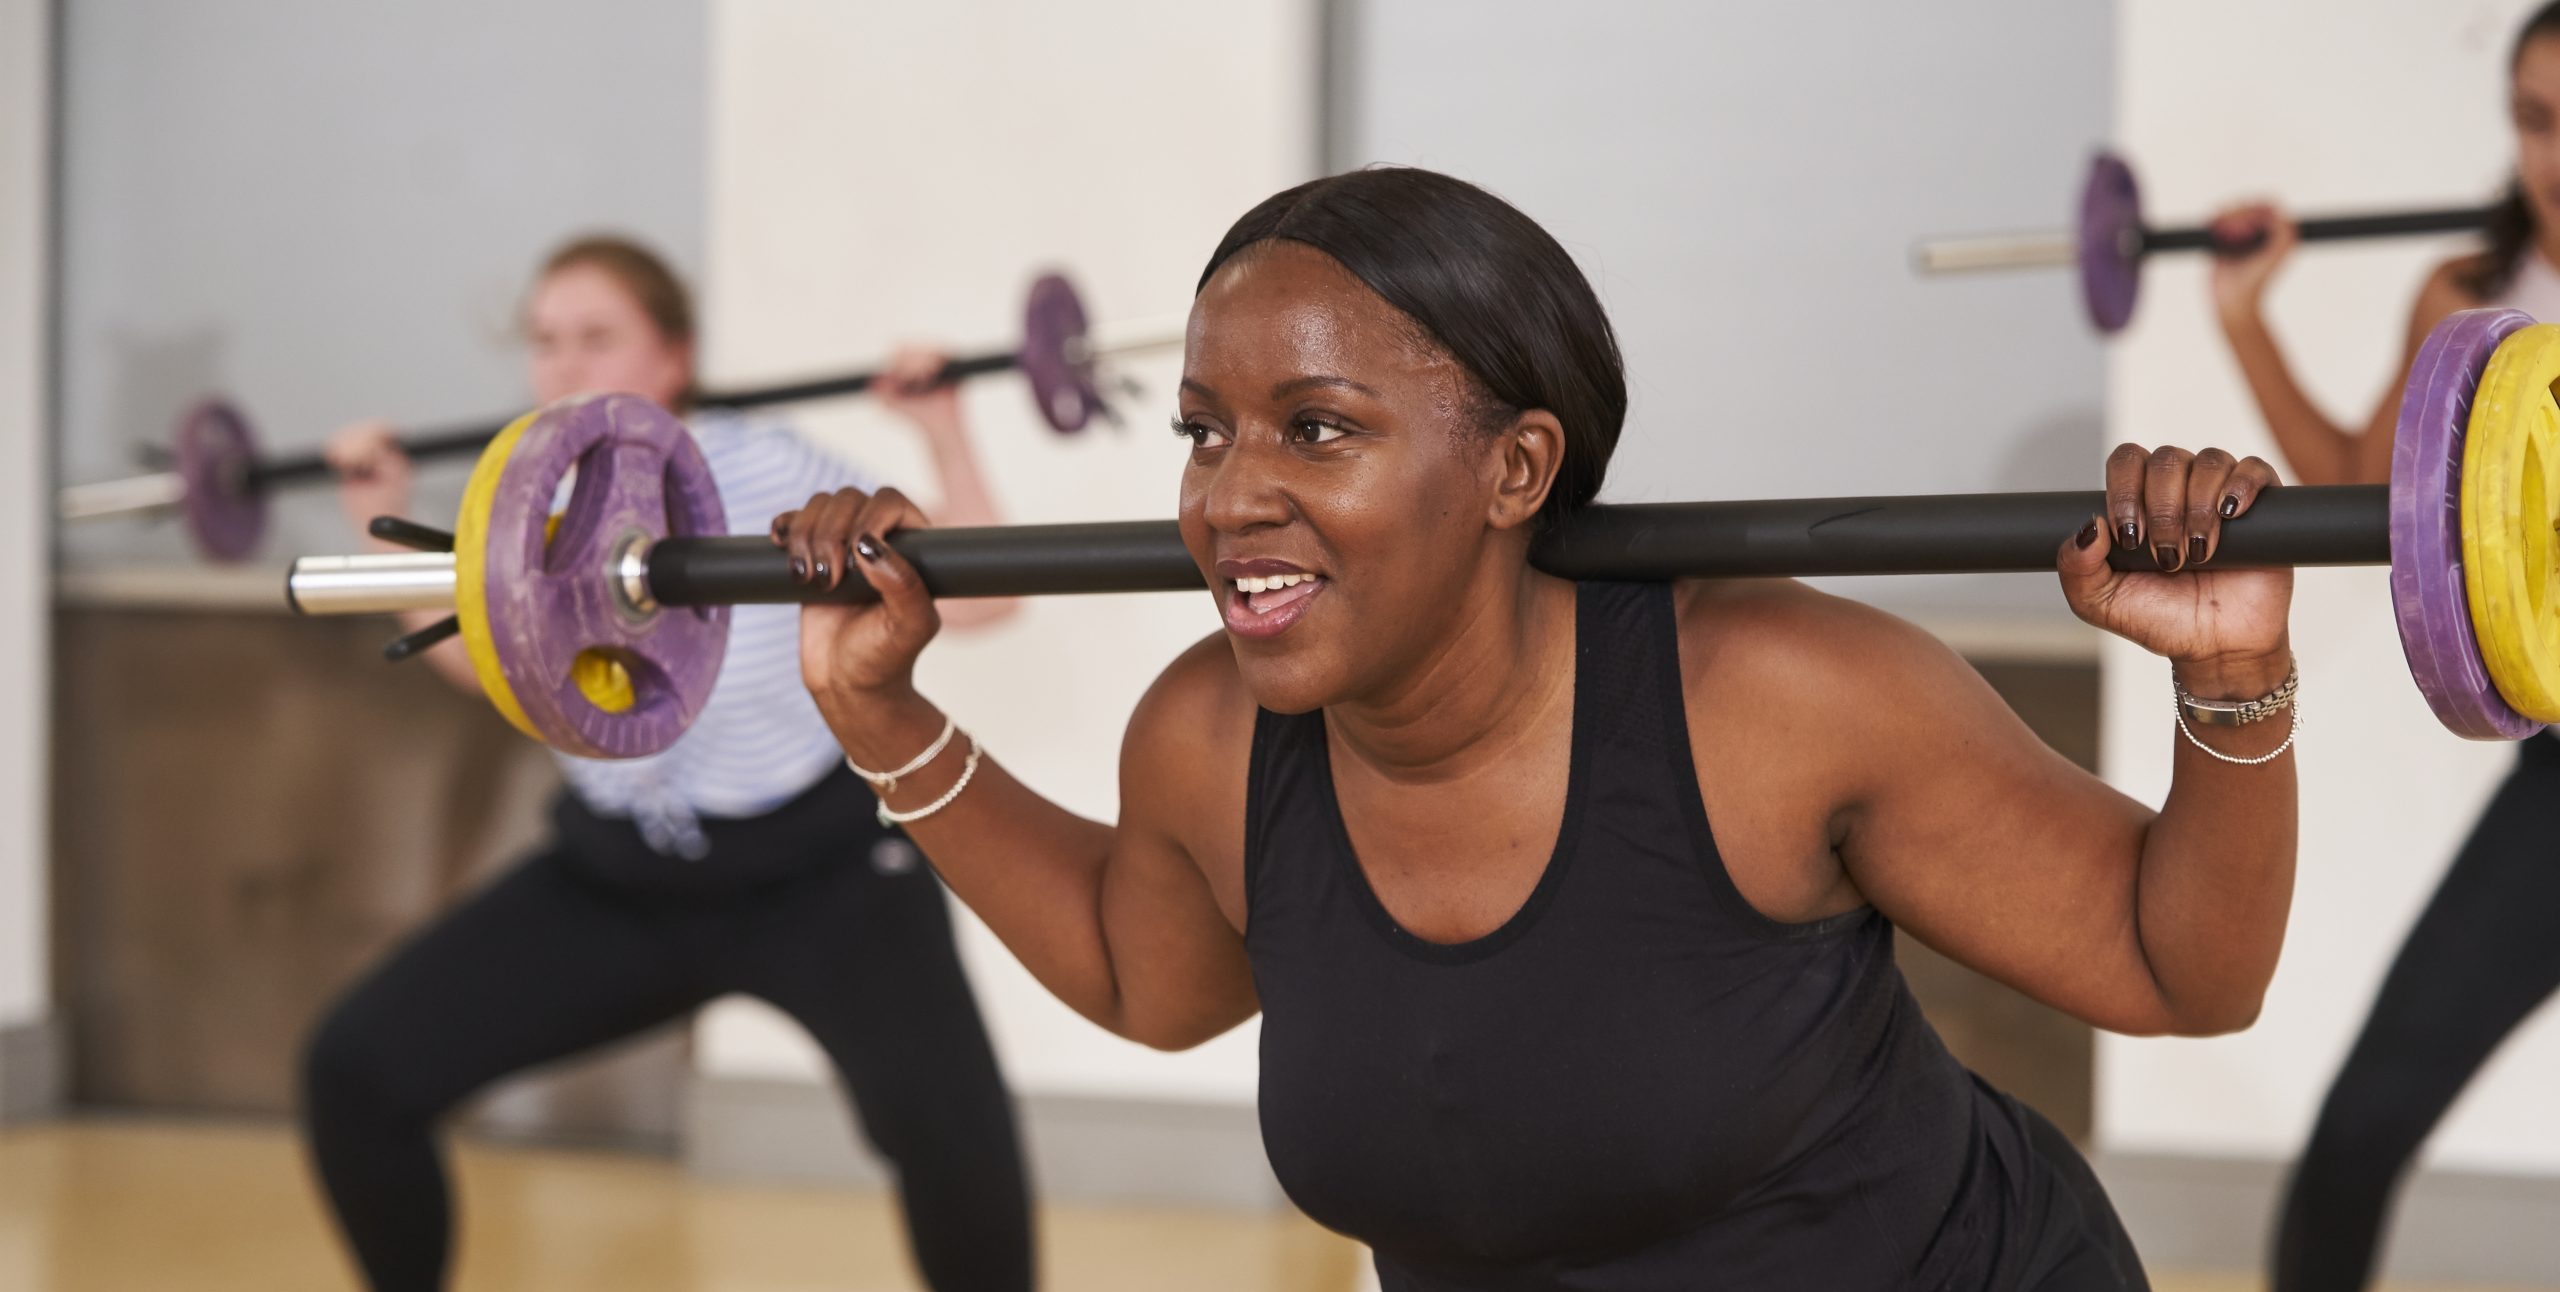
x=470 y=573
x=2510 y=482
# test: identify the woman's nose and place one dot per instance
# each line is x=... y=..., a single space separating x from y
x=1245 y=491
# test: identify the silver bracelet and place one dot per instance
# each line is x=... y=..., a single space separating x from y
x=967 y=770
x=2226 y=713
x=2179 y=706
x=886 y=783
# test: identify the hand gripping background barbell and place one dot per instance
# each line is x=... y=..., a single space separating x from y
x=602 y=635
x=2111 y=241
x=219 y=480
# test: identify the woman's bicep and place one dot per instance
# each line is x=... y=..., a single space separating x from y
x=1181 y=965
x=1999 y=853
x=1173 y=896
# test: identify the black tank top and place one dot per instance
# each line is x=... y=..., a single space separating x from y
x=1638 y=1081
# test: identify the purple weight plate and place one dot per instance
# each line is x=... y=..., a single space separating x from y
x=2110 y=242
x=2428 y=596
x=639 y=474
x=1053 y=325
x=224 y=515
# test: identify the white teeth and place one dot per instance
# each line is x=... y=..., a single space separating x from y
x=1273 y=583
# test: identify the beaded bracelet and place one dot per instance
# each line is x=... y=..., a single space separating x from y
x=967 y=770
x=886 y=783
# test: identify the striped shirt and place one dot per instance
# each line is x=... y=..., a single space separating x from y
x=758 y=742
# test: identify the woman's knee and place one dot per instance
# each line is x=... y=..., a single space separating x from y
x=356 y=1063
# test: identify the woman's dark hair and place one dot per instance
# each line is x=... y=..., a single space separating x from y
x=1485 y=284
x=653 y=286
x=2510 y=227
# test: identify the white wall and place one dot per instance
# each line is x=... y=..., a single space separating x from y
x=2390 y=103
x=883 y=171
x=1743 y=184
x=328 y=211
x=25 y=117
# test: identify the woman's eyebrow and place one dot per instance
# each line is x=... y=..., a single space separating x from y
x=1296 y=384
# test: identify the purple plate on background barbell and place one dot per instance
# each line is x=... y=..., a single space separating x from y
x=225 y=513
x=2110 y=242
x=1053 y=328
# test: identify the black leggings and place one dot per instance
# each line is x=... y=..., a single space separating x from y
x=598 y=938
x=2481 y=958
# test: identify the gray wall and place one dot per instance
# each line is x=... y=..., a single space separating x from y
x=328 y=210
x=1744 y=181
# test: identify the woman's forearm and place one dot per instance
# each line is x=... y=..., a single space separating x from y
x=2316 y=449
x=2216 y=875
x=449 y=660
x=966 y=500
x=1031 y=869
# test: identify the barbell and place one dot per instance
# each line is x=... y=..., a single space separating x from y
x=599 y=630
x=219 y=480
x=2110 y=241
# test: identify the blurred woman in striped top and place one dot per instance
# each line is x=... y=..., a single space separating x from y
x=745 y=858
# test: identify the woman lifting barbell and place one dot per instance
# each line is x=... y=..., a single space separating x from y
x=1568 y=906
x=743 y=859
x=2481 y=957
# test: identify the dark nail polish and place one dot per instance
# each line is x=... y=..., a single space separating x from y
x=2088 y=535
x=799 y=569
x=869 y=550
x=822 y=567
x=2230 y=506
x=2165 y=555
x=2195 y=549
x=2128 y=536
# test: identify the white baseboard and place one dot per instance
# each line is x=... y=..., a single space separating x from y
x=31 y=1070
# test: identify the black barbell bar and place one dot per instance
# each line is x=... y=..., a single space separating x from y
x=1908 y=534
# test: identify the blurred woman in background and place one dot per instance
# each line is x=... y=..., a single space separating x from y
x=2482 y=957
x=745 y=858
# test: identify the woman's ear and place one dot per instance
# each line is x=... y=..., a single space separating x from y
x=1527 y=454
x=687 y=374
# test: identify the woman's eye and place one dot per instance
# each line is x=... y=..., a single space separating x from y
x=1201 y=435
x=1312 y=431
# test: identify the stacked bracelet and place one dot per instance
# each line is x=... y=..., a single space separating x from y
x=2220 y=714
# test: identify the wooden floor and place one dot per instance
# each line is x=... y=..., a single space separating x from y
x=97 y=1205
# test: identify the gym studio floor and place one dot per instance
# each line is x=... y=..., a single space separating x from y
x=94 y=1204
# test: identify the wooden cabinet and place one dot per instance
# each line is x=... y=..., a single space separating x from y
x=249 y=810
